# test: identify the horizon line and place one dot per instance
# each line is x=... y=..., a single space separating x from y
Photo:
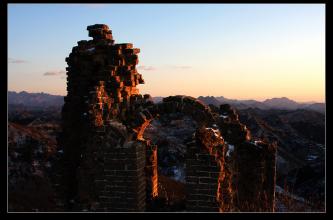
x=238 y=99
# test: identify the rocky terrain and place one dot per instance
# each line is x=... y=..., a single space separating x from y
x=32 y=157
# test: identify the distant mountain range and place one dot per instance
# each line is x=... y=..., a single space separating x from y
x=34 y=100
x=274 y=103
x=44 y=100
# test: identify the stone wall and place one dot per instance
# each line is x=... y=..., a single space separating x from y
x=124 y=178
x=202 y=172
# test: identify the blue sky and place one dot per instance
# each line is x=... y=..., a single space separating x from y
x=234 y=50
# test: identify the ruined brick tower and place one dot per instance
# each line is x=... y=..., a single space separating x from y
x=110 y=166
x=102 y=79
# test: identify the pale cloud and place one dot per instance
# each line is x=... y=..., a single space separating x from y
x=146 y=68
x=181 y=67
x=54 y=73
x=13 y=60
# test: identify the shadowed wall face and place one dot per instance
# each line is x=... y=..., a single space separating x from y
x=256 y=166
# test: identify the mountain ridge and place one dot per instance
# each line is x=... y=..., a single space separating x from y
x=282 y=103
x=43 y=100
x=34 y=99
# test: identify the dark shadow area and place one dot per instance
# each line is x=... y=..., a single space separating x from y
x=169 y=133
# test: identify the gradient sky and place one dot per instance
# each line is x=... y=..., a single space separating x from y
x=240 y=51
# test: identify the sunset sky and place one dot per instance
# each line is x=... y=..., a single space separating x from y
x=237 y=51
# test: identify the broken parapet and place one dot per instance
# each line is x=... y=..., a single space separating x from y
x=255 y=166
x=208 y=181
x=251 y=163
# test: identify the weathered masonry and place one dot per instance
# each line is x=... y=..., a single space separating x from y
x=108 y=164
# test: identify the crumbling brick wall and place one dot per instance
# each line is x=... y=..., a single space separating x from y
x=208 y=182
x=109 y=166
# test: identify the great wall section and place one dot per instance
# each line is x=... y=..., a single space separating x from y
x=109 y=166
